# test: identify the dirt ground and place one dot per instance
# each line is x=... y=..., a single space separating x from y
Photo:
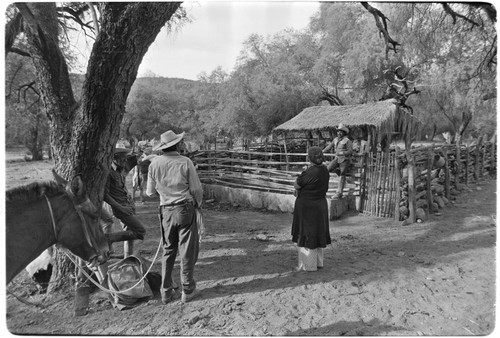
x=380 y=278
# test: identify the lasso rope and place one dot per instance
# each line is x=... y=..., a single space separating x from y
x=71 y=257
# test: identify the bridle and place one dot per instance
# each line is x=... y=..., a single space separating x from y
x=79 y=210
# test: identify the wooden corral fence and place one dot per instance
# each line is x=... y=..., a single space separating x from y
x=264 y=171
x=386 y=184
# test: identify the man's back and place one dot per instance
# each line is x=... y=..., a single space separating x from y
x=175 y=179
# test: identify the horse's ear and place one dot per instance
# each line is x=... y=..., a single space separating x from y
x=77 y=187
x=59 y=179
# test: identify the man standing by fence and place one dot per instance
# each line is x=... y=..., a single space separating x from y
x=175 y=179
x=343 y=150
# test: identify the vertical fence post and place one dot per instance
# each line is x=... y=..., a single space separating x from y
x=493 y=158
x=287 y=165
x=397 y=188
x=467 y=161
x=430 y=161
x=483 y=159
x=476 y=162
x=412 y=203
x=446 y=174
x=362 y=181
x=385 y=181
x=458 y=158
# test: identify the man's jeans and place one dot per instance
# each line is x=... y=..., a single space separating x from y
x=180 y=234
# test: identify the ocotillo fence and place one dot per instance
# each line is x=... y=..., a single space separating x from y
x=386 y=184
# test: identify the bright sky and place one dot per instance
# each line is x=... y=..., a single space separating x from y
x=216 y=35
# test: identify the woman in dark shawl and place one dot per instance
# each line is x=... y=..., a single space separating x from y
x=310 y=227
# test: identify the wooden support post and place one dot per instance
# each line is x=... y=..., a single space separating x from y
x=397 y=188
x=386 y=195
x=476 y=162
x=380 y=157
x=483 y=159
x=309 y=143
x=467 y=162
x=385 y=181
x=458 y=158
x=493 y=156
x=430 y=161
x=287 y=166
x=446 y=174
x=412 y=203
x=362 y=183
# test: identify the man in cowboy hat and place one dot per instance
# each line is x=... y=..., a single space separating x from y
x=116 y=195
x=343 y=150
x=175 y=179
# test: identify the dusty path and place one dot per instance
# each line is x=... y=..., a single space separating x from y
x=434 y=278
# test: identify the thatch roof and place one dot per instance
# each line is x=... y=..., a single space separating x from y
x=377 y=114
x=384 y=117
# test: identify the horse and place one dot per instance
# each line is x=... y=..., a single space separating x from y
x=44 y=213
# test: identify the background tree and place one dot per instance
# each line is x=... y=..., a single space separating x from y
x=26 y=123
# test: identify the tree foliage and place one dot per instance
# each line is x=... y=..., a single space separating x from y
x=351 y=53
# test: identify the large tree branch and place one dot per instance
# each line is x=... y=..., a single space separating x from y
x=381 y=22
x=75 y=14
x=12 y=30
x=19 y=51
x=454 y=15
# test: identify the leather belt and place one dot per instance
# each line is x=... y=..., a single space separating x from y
x=184 y=202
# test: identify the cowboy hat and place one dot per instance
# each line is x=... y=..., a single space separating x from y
x=168 y=139
x=343 y=128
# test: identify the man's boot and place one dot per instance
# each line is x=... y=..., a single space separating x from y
x=340 y=189
x=128 y=248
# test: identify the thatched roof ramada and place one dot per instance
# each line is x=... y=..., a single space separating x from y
x=385 y=117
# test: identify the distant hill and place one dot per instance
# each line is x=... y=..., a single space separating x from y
x=159 y=84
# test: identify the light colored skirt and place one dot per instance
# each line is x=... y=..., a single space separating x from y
x=310 y=259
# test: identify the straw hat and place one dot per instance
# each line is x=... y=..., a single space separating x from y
x=168 y=139
x=343 y=128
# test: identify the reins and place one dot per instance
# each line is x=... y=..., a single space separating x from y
x=51 y=216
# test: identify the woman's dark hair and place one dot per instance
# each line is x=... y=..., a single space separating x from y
x=315 y=155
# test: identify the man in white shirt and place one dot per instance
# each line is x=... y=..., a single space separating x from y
x=175 y=179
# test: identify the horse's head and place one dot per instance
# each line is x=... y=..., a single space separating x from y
x=82 y=233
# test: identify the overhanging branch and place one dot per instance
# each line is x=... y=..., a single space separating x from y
x=381 y=22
